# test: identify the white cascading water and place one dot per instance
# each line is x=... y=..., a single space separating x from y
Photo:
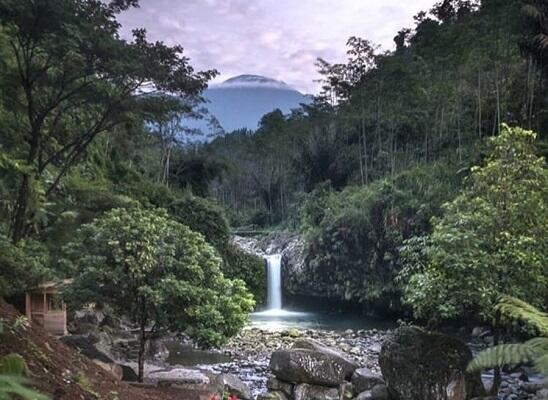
x=274 y=282
x=274 y=316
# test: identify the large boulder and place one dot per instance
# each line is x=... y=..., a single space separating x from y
x=182 y=378
x=129 y=374
x=305 y=391
x=418 y=365
x=348 y=365
x=86 y=345
x=310 y=362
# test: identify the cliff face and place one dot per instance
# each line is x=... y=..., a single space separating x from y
x=298 y=277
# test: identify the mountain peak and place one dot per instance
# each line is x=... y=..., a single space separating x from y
x=253 y=81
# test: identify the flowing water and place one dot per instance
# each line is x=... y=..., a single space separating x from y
x=274 y=283
x=304 y=316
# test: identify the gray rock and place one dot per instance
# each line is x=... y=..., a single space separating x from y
x=129 y=374
x=348 y=365
x=485 y=398
x=541 y=395
x=305 y=391
x=477 y=331
x=179 y=376
x=306 y=366
x=380 y=392
x=364 y=379
x=418 y=365
x=533 y=387
x=365 y=395
x=346 y=391
x=281 y=386
x=272 y=396
x=234 y=385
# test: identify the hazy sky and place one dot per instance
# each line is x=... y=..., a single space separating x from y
x=280 y=39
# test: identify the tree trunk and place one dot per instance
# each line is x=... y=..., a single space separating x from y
x=497 y=379
x=479 y=105
x=142 y=346
x=20 y=214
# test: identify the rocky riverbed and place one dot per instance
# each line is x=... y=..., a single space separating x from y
x=250 y=353
x=251 y=350
x=247 y=355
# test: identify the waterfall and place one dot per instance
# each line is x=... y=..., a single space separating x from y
x=274 y=281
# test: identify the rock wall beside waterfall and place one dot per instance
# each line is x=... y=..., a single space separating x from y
x=296 y=275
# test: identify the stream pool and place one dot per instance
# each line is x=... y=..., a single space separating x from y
x=316 y=319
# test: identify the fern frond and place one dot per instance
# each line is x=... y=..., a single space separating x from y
x=14 y=387
x=503 y=354
x=531 y=11
x=518 y=310
x=541 y=364
x=13 y=364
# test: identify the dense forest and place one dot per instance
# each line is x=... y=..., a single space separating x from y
x=416 y=178
x=391 y=139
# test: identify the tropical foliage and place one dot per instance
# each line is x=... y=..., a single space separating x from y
x=158 y=272
x=13 y=371
x=491 y=239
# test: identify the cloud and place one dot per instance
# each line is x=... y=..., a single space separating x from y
x=280 y=39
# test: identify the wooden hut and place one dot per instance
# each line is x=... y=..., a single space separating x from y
x=44 y=306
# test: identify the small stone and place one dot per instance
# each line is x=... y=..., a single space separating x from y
x=364 y=379
x=365 y=395
x=541 y=395
x=347 y=391
x=272 y=396
x=534 y=387
x=305 y=391
x=293 y=333
x=477 y=331
x=379 y=392
x=234 y=385
x=279 y=385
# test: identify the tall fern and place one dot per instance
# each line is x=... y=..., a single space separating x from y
x=12 y=379
x=533 y=351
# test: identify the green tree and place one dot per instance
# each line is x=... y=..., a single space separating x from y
x=160 y=273
x=73 y=78
x=492 y=239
